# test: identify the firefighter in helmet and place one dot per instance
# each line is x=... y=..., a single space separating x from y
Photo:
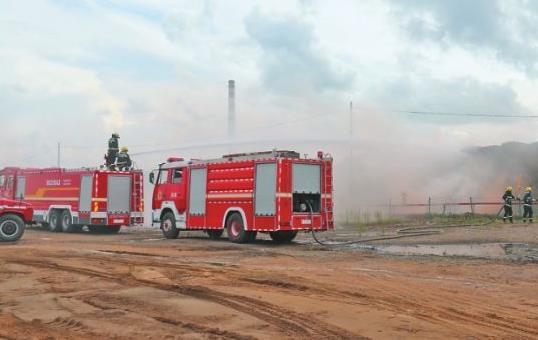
x=527 y=205
x=113 y=149
x=508 y=197
x=123 y=160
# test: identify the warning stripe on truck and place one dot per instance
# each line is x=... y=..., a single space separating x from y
x=237 y=195
x=37 y=198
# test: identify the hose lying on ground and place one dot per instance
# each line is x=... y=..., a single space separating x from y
x=402 y=232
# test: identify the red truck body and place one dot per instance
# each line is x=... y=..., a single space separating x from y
x=62 y=198
x=277 y=192
x=13 y=216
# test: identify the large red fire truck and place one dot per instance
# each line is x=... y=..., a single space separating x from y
x=277 y=192
x=13 y=217
x=66 y=200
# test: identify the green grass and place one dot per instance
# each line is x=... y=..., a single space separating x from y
x=364 y=220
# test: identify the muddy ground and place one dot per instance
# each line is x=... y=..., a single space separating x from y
x=137 y=285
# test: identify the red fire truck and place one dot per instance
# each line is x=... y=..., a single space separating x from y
x=13 y=217
x=66 y=200
x=277 y=192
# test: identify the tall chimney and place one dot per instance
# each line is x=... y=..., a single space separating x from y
x=231 y=109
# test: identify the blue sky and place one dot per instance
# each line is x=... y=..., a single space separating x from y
x=156 y=72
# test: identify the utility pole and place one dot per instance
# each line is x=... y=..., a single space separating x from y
x=351 y=151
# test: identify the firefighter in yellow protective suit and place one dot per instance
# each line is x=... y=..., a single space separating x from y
x=123 y=161
x=527 y=205
x=508 y=197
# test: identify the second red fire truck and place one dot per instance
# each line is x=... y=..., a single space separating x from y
x=68 y=199
x=275 y=192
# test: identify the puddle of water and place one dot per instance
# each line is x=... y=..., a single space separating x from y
x=514 y=251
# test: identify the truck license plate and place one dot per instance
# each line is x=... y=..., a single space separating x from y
x=306 y=221
x=118 y=220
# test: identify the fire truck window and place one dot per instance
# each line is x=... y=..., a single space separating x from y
x=163 y=179
x=2 y=181
x=9 y=183
x=177 y=176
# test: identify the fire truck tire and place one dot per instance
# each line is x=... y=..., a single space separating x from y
x=215 y=234
x=235 y=229
x=67 y=222
x=11 y=228
x=252 y=236
x=168 y=226
x=55 y=221
x=283 y=236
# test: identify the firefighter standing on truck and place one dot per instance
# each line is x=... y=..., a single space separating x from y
x=527 y=205
x=113 y=149
x=123 y=161
x=508 y=197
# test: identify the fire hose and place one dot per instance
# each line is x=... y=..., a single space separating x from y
x=400 y=233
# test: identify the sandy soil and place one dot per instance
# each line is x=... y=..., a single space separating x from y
x=137 y=285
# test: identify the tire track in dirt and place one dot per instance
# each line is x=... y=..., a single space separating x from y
x=292 y=323
x=106 y=302
x=382 y=298
x=393 y=297
x=394 y=301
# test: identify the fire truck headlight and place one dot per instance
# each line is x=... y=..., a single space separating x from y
x=95 y=206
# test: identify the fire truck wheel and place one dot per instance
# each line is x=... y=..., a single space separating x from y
x=252 y=236
x=215 y=234
x=67 y=222
x=55 y=224
x=168 y=225
x=11 y=228
x=283 y=236
x=236 y=229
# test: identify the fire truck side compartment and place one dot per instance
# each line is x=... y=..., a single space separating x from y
x=85 y=203
x=265 y=192
x=306 y=179
x=197 y=191
x=119 y=197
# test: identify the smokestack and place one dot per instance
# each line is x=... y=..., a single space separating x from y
x=231 y=109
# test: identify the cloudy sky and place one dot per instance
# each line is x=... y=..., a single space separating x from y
x=156 y=72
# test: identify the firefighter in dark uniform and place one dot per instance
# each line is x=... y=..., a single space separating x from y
x=123 y=160
x=508 y=197
x=113 y=149
x=527 y=205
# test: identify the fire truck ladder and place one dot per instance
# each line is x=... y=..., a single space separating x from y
x=327 y=190
x=137 y=183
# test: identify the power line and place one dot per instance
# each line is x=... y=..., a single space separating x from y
x=457 y=114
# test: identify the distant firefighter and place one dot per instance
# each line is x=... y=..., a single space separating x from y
x=508 y=197
x=527 y=205
x=123 y=161
x=113 y=149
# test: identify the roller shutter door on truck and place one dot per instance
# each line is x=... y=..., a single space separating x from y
x=119 y=194
x=197 y=192
x=306 y=178
x=265 y=194
x=85 y=201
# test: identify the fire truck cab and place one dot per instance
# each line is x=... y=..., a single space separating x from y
x=14 y=215
x=275 y=192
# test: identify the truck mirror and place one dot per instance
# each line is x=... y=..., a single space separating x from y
x=152 y=177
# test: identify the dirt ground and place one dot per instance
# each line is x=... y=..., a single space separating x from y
x=138 y=285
